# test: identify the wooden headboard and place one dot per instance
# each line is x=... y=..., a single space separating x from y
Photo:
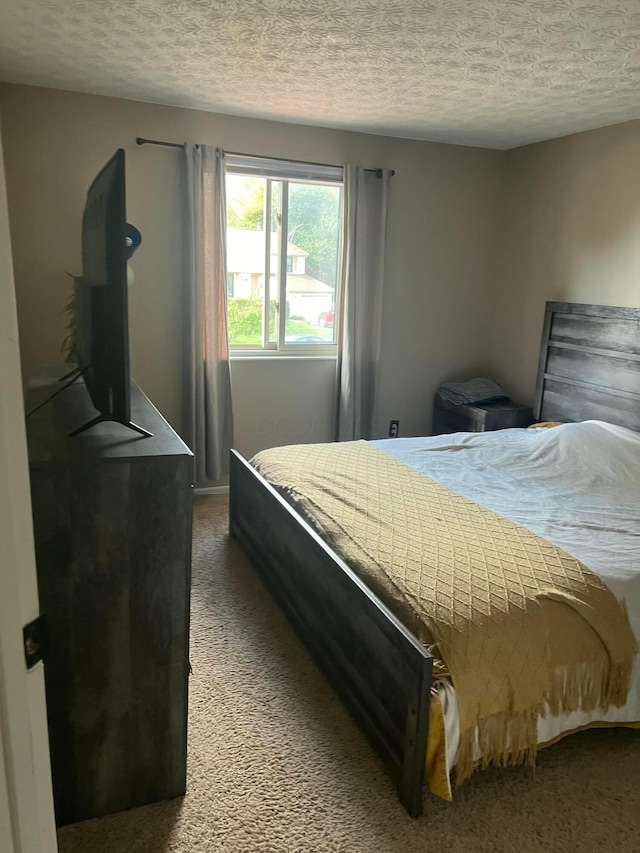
x=589 y=364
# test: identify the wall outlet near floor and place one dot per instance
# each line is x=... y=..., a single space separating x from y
x=394 y=429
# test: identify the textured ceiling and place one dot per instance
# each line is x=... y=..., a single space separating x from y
x=497 y=73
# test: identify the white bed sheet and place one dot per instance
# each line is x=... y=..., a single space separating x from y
x=578 y=486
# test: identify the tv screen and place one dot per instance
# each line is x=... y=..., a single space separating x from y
x=101 y=316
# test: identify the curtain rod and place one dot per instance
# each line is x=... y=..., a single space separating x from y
x=142 y=141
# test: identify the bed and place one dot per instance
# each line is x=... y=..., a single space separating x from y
x=589 y=370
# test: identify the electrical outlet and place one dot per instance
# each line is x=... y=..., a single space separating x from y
x=394 y=429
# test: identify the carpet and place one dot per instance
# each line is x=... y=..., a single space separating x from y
x=276 y=765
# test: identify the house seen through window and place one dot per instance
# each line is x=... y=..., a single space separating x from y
x=283 y=251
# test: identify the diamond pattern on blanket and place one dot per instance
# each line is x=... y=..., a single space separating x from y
x=519 y=624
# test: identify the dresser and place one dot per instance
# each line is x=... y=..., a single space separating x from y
x=112 y=527
x=479 y=417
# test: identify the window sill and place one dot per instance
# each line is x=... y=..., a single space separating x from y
x=280 y=356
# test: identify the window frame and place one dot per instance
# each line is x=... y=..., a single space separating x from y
x=285 y=172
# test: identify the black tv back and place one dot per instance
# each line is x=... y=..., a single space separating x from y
x=101 y=314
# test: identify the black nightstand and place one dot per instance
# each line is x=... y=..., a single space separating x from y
x=481 y=417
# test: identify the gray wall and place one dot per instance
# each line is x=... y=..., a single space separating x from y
x=478 y=241
x=443 y=213
x=570 y=232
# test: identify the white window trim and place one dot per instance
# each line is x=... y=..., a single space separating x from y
x=287 y=170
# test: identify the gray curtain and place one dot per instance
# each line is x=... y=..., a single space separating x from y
x=206 y=378
x=365 y=216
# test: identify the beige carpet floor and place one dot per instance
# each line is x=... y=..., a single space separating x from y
x=276 y=765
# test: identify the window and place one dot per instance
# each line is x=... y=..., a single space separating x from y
x=284 y=226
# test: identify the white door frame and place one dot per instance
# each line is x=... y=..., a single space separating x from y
x=26 y=802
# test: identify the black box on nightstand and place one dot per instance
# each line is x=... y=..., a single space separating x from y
x=479 y=417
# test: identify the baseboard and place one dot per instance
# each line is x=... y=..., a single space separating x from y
x=212 y=490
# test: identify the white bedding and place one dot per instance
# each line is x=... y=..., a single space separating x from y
x=578 y=486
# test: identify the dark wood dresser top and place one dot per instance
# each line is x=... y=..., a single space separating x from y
x=48 y=429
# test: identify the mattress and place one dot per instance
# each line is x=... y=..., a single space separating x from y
x=578 y=486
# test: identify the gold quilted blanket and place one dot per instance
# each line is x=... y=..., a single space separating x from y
x=520 y=626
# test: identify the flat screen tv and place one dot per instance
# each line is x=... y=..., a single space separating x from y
x=101 y=339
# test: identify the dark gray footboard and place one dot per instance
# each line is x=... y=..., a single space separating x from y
x=379 y=669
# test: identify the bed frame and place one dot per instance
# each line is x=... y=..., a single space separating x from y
x=589 y=368
x=380 y=670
